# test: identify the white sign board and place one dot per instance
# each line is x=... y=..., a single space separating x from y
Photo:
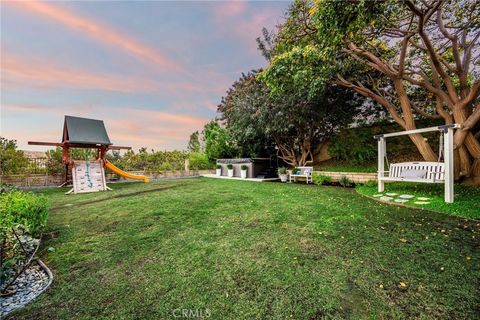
x=88 y=176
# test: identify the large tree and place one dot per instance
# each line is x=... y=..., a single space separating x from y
x=194 y=143
x=418 y=59
x=12 y=160
x=218 y=142
x=297 y=124
x=239 y=110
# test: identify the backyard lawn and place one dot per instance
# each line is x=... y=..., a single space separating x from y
x=247 y=250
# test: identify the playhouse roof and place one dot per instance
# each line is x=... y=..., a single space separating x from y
x=78 y=130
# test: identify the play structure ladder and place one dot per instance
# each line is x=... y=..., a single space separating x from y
x=88 y=176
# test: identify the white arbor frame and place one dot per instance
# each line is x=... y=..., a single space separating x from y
x=447 y=131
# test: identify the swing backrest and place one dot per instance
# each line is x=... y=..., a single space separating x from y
x=425 y=170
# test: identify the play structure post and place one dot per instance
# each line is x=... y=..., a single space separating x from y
x=448 y=155
x=381 y=163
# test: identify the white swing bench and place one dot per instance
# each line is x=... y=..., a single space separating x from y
x=426 y=172
x=422 y=172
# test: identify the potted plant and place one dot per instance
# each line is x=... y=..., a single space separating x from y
x=282 y=173
x=230 y=170
x=218 y=171
x=244 y=170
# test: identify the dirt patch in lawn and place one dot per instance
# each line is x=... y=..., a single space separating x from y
x=118 y=196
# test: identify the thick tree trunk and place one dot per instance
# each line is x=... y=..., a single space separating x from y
x=296 y=157
x=423 y=147
x=468 y=148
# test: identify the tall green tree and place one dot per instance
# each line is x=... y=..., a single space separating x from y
x=12 y=160
x=218 y=142
x=298 y=125
x=417 y=59
x=242 y=110
x=194 y=142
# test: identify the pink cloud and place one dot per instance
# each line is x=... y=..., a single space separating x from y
x=248 y=30
x=225 y=10
x=153 y=129
x=231 y=18
x=18 y=70
x=98 y=31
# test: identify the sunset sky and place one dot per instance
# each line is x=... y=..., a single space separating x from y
x=153 y=71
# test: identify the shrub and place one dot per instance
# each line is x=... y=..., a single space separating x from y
x=244 y=167
x=320 y=179
x=21 y=214
x=229 y=166
x=23 y=208
x=282 y=170
x=344 y=181
x=12 y=160
x=355 y=146
x=370 y=183
x=5 y=187
x=218 y=166
x=199 y=161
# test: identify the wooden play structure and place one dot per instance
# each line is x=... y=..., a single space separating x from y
x=420 y=172
x=87 y=176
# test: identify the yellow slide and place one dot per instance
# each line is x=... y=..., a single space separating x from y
x=122 y=173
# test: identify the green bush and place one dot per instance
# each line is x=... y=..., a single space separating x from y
x=21 y=214
x=244 y=167
x=218 y=166
x=282 y=170
x=23 y=208
x=230 y=166
x=354 y=146
x=12 y=160
x=357 y=145
x=199 y=161
x=154 y=161
x=320 y=179
x=370 y=183
x=344 y=181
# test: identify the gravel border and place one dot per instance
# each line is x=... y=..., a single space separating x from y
x=35 y=295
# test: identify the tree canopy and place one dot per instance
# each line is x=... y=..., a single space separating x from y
x=295 y=123
x=218 y=142
x=416 y=59
x=194 y=143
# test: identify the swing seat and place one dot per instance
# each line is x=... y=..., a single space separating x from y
x=425 y=172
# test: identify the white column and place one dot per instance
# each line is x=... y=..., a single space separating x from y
x=381 y=163
x=448 y=155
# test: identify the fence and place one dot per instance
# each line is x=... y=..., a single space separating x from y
x=45 y=180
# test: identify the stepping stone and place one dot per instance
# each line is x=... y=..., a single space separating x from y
x=386 y=199
x=378 y=195
x=421 y=202
x=391 y=194
x=401 y=200
x=406 y=196
x=423 y=198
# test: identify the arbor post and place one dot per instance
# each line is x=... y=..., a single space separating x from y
x=381 y=163
x=448 y=154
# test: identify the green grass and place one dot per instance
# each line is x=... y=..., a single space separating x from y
x=247 y=250
x=466 y=202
